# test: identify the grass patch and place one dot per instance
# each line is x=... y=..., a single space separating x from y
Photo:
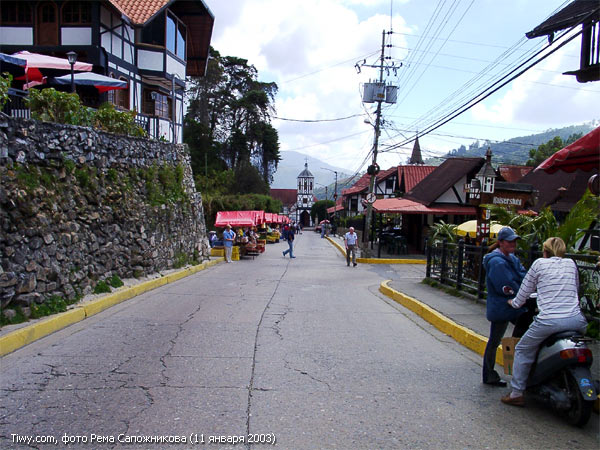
x=115 y=281
x=102 y=287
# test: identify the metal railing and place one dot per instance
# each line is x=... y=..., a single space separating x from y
x=460 y=266
x=16 y=106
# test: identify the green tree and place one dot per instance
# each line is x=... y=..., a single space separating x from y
x=228 y=122
x=545 y=225
x=318 y=211
x=544 y=151
x=5 y=82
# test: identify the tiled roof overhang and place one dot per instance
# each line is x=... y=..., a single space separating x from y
x=405 y=206
x=196 y=16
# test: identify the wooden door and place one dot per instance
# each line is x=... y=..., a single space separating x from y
x=47 y=24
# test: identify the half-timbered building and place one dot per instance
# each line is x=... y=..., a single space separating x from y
x=152 y=44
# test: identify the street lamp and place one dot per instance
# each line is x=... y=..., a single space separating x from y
x=335 y=193
x=323 y=185
x=72 y=58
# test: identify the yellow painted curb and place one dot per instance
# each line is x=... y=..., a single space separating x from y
x=28 y=334
x=378 y=260
x=464 y=336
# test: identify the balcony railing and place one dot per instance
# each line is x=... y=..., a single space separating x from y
x=460 y=266
x=17 y=107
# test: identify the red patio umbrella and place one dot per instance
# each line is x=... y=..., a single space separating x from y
x=582 y=154
x=36 y=61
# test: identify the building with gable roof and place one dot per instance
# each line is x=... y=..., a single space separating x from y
x=297 y=203
x=151 y=44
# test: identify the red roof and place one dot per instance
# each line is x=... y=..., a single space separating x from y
x=287 y=196
x=513 y=174
x=359 y=186
x=413 y=175
x=196 y=16
x=139 y=11
x=405 y=206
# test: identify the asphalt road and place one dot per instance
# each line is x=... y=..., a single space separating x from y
x=305 y=352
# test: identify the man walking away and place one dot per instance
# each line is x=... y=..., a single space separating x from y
x=288 y=234
x=228 y=238
x=350 y=239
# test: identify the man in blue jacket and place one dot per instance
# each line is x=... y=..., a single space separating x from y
x=504 y=274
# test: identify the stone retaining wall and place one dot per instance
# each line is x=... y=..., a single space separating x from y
x=78 y=206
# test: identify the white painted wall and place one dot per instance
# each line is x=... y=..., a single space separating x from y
x=450 y=197
x=16 y=35
x=174 y=66
x=105 y=41
x=116 y=46
x=150 y=60
x=76 y=36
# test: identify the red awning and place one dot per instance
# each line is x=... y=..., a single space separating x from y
x=405 y=206
x=582 y=154
x=235 y=219
x=259 y=217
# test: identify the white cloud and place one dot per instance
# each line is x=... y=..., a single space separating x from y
x=309 y=49
x=545 y=97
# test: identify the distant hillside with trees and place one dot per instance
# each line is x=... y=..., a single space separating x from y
x=517 y=150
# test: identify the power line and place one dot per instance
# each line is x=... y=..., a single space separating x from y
x=319 y=120
x=368 y=55
x=483 y=95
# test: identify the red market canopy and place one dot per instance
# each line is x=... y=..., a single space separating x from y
x=235 y=219
x=259 y=217
x=582 y=154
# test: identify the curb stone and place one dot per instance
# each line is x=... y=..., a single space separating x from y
x=30 y=333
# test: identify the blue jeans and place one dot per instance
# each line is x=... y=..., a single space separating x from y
x=290 y=250
x=497 y=330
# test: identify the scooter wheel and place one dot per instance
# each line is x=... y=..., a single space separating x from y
x=580 y=411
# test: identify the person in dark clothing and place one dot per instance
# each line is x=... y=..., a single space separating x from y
x=504 y=274
x=289 y=235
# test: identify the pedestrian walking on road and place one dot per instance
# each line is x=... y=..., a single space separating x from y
x=350 y=239
x=288 y=235
x=228 y=238
x=504 y=274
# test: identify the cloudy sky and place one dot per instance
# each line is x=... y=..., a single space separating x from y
x=441 y=54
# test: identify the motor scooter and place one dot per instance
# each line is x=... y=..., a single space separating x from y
x=561 y=377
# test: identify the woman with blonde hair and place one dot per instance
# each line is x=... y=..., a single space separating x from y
x=555 y=279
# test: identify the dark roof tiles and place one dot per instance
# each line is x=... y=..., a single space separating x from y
x=443 y=178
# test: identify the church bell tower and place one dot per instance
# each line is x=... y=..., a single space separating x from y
x=305 y=196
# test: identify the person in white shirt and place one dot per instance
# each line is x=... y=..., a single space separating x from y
x=556 y=281
x=350 y=239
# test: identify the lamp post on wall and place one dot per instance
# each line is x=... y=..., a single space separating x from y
x=485 y=180
x=72 y=58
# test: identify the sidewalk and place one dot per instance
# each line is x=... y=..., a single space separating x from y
x=461 y=318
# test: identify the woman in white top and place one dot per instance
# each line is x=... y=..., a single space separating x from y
x=556 y=280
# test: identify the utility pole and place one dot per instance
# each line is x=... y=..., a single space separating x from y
x=373 y=168
x=335 y=189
